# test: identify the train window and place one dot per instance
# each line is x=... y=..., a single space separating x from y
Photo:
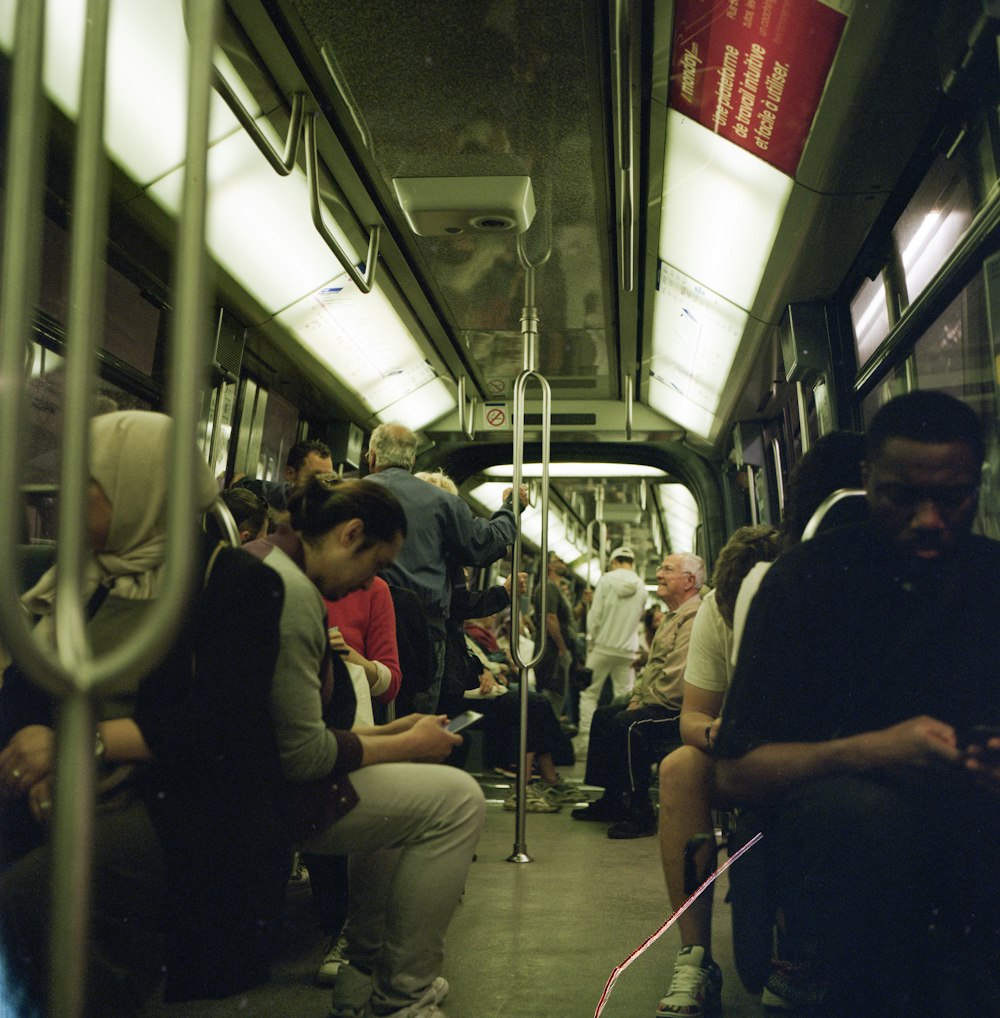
x=870 y=317
x=953 y=355
x=933 y=222
x=46 y=379
x=268 y=429
x=131 y=322
x=279 y=425
x=218 y=426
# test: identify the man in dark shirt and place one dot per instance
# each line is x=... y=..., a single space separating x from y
x=305 y=459
x=441 y=528
x=552 y=671
x=869 y=656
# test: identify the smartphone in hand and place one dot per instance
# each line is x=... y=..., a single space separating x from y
x=463 y=720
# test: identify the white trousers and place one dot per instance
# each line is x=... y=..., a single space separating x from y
x=603 y=665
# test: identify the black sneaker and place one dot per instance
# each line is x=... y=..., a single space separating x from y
x=605 y=810
x=633 y=827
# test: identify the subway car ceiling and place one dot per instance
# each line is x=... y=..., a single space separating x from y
x=475 y=139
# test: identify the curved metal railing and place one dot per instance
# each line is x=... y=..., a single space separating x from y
x=71 y=669
x=367 y=281
x=816 y=520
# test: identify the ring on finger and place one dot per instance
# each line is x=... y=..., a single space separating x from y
x=16 y=773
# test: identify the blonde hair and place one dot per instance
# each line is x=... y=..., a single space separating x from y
x=439 y=479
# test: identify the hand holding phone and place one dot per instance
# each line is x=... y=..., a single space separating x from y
x=977 y=739
x=337 y=642
x=463 y=720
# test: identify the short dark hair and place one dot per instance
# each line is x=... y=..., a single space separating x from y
x=249 y=510
x=833 y=462
x=745 y=548
x=928 y=416
x=324 y=502
x=298 y=452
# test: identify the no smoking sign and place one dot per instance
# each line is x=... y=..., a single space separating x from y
x=495 y=416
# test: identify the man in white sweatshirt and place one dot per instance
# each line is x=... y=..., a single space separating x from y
x=613 y=632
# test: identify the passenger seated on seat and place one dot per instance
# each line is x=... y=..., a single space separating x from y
x=869 y=656
x=410 y=827
x=624 y=744
x=305 y=459
x=362 y=632
x=187 y=753
x=249 y=512
x=687 y=793
x=365 y=624
x=685 y=774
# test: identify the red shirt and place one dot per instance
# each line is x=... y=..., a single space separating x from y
x=367 y=623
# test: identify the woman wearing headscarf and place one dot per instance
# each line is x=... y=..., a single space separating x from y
x=187 y=764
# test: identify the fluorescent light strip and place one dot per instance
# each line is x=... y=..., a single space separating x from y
x=696 y=334
x=259 y=226
x=721 y=210
x=588 y=470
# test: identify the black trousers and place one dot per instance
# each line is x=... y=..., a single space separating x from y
x=624 y=745
x=895 y=882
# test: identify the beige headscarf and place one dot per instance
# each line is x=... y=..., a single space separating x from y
x=128 y=459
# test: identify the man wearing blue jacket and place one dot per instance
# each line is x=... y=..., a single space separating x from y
x=440 y=527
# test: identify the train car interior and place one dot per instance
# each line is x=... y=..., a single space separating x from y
x=640 y=254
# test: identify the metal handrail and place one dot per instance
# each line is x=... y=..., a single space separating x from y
x=281 y=164
x=826 y=505
x=778 y=473
x=623 y=54
x=520 y=851
x=520 y=384
x=629 y=405
x=466 y=415
x=800 y=397
x=71 y=669
x=367 y=281
x=227 y=523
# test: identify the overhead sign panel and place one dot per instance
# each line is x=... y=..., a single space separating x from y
x=753 y=71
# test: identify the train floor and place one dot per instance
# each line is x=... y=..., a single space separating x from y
x=529 y=940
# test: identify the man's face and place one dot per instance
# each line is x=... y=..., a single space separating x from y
x=923 y=494
x=673 y=581
x=312 y=464
x=338 y=563
x=557 y=566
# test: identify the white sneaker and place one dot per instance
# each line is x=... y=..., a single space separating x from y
x=696 y=988
x=326 y=974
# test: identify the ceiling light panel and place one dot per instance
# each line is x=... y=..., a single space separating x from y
x=695 y=336
x=721 y=210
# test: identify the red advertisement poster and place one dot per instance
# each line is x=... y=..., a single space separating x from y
x=753 y=71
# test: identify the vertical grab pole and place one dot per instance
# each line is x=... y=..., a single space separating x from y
x=800 y=397
x=73 y=820
x=71 y=669
x=529 y=329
